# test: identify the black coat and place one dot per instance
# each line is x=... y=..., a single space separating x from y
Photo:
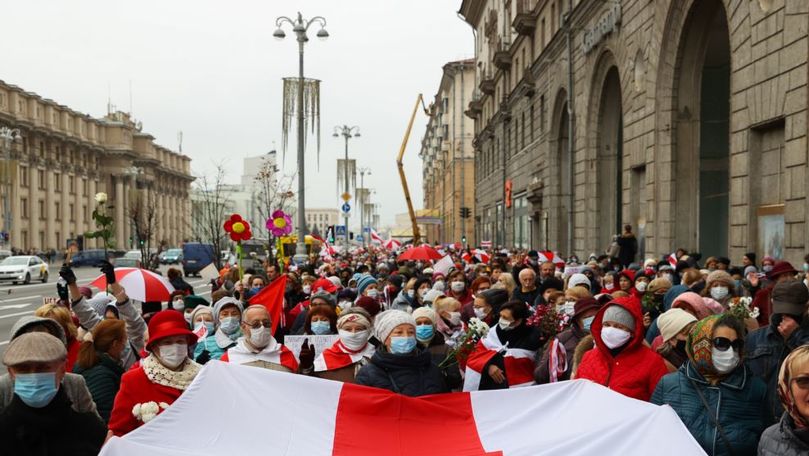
x=55 y=429
x=628 y=244
x=413 y=374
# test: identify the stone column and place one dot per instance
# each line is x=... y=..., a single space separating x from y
x=33 y=203
x=50 y=205
x=120 y=221
x=65 y=203
x=89 y=223
x=16 y=213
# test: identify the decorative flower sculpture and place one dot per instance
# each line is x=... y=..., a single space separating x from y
x=238 y=229
x=279 y=224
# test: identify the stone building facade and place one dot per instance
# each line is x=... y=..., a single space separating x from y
x=684 y=118
x=64 y=158
x=448 y=157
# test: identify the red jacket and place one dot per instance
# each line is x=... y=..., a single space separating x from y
x=136 y=388
x=635 y=371
x=762 y=301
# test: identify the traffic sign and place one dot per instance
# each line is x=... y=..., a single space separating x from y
x=346 y=208
x=346 y=197
x=358 y=238
x=340 y=230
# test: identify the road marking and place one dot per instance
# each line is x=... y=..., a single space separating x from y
x=205 y=293
x=14 y=306
x=18 y=314
x=5 y=342
x=18 y=299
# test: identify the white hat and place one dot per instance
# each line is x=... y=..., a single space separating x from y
x=672 y=321
x=387 y=321
x=578 y=279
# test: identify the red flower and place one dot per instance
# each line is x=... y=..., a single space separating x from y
x=238 y=229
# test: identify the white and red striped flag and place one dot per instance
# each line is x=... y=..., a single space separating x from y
x=376 y=238
x=519 y=363
x=334 y=418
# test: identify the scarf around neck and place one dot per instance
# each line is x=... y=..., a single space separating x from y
x=162 y=375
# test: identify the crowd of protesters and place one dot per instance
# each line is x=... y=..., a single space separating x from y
x=723 y=345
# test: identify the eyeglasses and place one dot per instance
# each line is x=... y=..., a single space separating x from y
x=259 y=323
x=803 y=382
x=723 y=343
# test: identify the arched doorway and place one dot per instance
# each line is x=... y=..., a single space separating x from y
x=609 y=163
x=702 y=138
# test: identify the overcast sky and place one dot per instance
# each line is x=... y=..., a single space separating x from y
x=213 y=70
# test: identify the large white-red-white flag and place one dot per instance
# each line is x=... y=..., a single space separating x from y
x=275 y=413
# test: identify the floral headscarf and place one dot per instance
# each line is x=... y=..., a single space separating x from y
x=785 y=378
x=699 y=345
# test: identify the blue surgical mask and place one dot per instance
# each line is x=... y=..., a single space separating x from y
x=321 y=328
x=229 y=325
x=36 y=390
x=402 y=345
x=255 y=290
x=587 y=322
x=424 y=332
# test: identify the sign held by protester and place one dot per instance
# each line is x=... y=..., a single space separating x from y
x=320 y=343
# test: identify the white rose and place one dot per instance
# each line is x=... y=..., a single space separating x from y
x=101 y=197
x=136 y=410
x=163 y=405
x=148 y=417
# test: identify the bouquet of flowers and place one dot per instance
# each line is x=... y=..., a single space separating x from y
x=742 y=309
x=548 y=320
x=475 y=331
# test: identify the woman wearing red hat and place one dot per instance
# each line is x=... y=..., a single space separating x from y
x=161 y=377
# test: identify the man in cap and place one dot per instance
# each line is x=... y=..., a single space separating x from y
x=41 y=418
x=782 y=271
x=767 y=347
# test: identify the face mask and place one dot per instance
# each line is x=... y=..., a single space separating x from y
x=354 y=341
x=307 y=289
x=178 y=305
x=402 y=345
x=614 y=337
x=568 y=307
x=455 y=318
x=719 y=293
x=411 y=293
x=173 y=355
x=209 y=326
x=668 y=277
x=255 y=289
x=680 y=347
x=458 y=287
x=766 y=268
x=229 y=325
x=187 y=316
x=439 y=286
x=36 y=390
x=724 y=361
x=806 y=267
x=372 y=293
x=424 y=332
x=609 y=286
x=345 y=304
x=321 y=328
x=641 y=286
x=505 y=325
x=587 y=323
x=423 y=292
x=480 y=313
x=260 y=337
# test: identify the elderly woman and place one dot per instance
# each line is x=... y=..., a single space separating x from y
x=202 y=323
x=351 y=352
x=790 y=437
x=398 y=364
x=62 y=316
x=406 y=300
x=550 y=369
x=161 y=377
x=721 y=287
x=449 y=322
x=458 y=288
x=320 y=321
x=714 y=393
x=227 y=317
x=675 y=325
x=506 y=282
x=433 y=341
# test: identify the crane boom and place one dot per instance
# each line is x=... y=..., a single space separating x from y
x=400 y=165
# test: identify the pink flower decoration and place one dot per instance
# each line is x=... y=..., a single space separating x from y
x=279 y=224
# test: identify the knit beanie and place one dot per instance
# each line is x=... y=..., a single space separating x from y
x=364 y=282
x=200 y=310
x=386 y=321
x=672 y=321
x=355 y=315
x=217 y=307
x=336 y=281
x=369 y=304
x=328 y=297
x=431 y=295
x=578 y=279
x=721 y=277
x=425 y=312
x=618 y=314
x=99 y=302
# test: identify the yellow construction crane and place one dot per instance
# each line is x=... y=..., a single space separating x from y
x=400 y=165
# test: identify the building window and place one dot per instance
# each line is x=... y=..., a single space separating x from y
x=43 y=213
x=531 y=123
x=72 y=185
x=522 y=130
x=84 y=187
x=24 y=207
x=542 y=114
x=23 y=176
x=86 y=215
x=72 y=213
x=499 y=230
x=58 y=209
x=521 y=225
x=41 y=179
x=57 y=177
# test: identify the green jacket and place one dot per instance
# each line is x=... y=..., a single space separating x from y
x=103 y=381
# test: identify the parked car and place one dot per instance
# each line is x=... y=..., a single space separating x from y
x=89 y=257
x=171 y=256
x=5 y=254
x=23 y=269
x=125 y=262
x=196 y=256
x=136 y=254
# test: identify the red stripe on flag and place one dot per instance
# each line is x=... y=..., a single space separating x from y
x=373 y=422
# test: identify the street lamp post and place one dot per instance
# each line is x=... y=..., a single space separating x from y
x=7 y=135
x=300 y=26
x=347 y=132
x=361 y=204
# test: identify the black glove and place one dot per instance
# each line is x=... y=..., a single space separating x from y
x=204 y=357
x=67 y=274
x=307 y=356
x=62 y=290
x=108 y=270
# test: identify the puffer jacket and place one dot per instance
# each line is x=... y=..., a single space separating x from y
x=413 y=374
x=780 y=439
x=765 y=350
x=103 y=381
x=736 y=402
x=403 y=302
x=635 y=370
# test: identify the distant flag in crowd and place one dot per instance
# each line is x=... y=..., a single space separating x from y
x=486 y=244
x=376 y=238
x=478 y=254
x=547 y=255
x=443 y=265
x=673 y=260
x=392 y=244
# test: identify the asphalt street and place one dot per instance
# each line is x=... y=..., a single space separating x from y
x=19 y=300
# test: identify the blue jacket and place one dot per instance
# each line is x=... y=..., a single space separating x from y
x=736 y=402
x=765 y=350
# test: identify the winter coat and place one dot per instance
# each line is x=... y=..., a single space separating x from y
x=438 y=351
x=180 y=284
x=735 y=401
x=762 y=302
x=403 y=302
x=635 y=370
x=569 y=339
x=628 y=249
x=136 y=388
x=527 y=297
x=103 y=381
x=135 y=327
x=212 y=347
x=56 y=429
x=412 y=374
x=765 y=350
x=781 y=439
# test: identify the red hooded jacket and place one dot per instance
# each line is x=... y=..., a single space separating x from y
x=635 y=371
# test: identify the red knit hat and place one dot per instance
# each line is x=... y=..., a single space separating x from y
x=168 y=323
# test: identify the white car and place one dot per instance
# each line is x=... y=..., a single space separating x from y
x=23 y=269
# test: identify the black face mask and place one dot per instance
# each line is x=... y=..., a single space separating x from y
x=681 y=347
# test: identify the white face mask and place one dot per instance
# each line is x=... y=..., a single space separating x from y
x=505 y=325
x=423 y=292
x=568 y=307
x=411 y=293
x=641 y=286
x=260 y=337
x=719 y=293
x=480 y=313
x=458 y=287
x=307 y=289
x=439 y=286
x=372 y=293
x=172 y=355
x=454 y=318
x=614 y=337
x=724 y=361
x=178 y=305
x=668 y=277
x=354 y=341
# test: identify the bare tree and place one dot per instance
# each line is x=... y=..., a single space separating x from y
x=143 y=217
x=273 y=193
x=209 y=211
